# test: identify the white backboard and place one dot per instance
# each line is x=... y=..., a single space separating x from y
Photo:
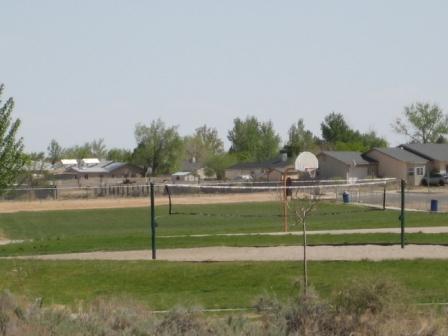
x=306 y=160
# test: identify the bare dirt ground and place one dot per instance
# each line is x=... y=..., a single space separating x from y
x=204 y=254
x=428 y=229
x=109 y=203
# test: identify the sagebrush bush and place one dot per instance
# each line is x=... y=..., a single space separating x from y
x=371 y=308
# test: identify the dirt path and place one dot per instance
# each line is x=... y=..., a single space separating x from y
x=431 y=229
x=368 y=252
x=109 y=203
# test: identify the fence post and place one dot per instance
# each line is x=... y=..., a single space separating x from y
x=402 y=219
x=153 y=223
x=384 y=197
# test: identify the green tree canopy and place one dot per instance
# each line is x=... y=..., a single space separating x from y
x=54 y=151
x=158 y=147
x=338 y=135
x=203 y=144
x=119 y=155
x=422 y=123
x=252 y=140
x=299 y=139
x=12 y=158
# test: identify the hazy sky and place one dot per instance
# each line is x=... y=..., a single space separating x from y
x=80 y=70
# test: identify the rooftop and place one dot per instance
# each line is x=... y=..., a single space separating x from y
x=436 y=152
x=400 y=154
x=348 y=157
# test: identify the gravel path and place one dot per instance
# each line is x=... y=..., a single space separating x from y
x=430 y=229
x=368 y=252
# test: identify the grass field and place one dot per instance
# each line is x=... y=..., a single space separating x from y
x=128 y=229
x=162 y=285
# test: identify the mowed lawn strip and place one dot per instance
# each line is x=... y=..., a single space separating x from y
x=128 y=229
x=161 y=285
x=127 y=243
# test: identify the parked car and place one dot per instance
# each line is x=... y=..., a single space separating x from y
x=435 y=179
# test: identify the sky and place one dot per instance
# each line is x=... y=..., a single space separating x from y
x=84 y=70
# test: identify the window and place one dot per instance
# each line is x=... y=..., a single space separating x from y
x=86 y=176
x=411 y=171
x=419 y=171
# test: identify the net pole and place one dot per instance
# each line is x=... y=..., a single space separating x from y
x=285 y=204
x=153 y=222
x=169 y=200
x=402 y=219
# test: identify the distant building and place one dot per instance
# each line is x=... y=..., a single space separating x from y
x=106 y=169
x=399 y=163
x=345 y=165
x=184 y=177
x=271 y=170
x=435 y=154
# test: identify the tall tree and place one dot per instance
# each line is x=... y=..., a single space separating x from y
x=119 y=155
x=335 y=129
x=299 y=139
x=422 y=123
x=54 y=151
x=12 y=158
x=252 y=140
x=338 y=135
x=98 y=149
x=158 y=147
x=204 y=143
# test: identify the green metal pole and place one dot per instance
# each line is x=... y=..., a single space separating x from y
x=153 y=222
x=402 y=219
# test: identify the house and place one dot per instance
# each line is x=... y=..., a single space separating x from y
x=196 y=168
x=106 y=169
x=184 y=177
x=398 y=163
x=271 y=170
x=345 y=165
x=436 y=154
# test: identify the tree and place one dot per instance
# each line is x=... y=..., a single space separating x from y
x=54 y=151
x=299 y=139
x=335 y=129
x=203 y=144
x=422 y=123
x=98 y=149
x=252 y=140
x=158 y=147
x=12 y=158
x=119 y=155
x=338 y=135
x=78 y=152
x=217 y=164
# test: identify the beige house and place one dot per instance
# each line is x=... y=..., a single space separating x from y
x=184 y=177
x=436 y=154
x=399 y=163
x=263 y=171
x=345 y=165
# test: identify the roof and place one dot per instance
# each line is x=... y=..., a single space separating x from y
x=182 y=173
x=277 y=163
x=69 y=161
x=436 y=152
x=399 y=154
x=90 y=161
x=348 y=157
x=100 y=168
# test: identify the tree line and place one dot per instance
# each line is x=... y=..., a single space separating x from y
x=160 y=149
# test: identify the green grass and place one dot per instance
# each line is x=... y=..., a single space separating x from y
x=97 y=243
x=128 y=229
x=162 y=285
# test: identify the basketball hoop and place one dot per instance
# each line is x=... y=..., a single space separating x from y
x=307 y=163
x=311 y=172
